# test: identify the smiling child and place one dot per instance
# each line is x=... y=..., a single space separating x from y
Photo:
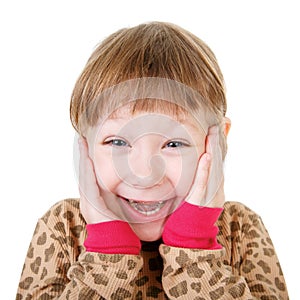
x=152 y=221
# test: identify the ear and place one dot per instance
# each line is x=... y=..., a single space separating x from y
x=226 y=126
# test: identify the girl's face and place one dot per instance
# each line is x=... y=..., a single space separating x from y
x=145 y=166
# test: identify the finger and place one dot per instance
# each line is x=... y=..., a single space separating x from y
x=92 y=205
x=215 y=180
x=212 y=140
x=206 y=159
x=201 y=179
x=88 y=186
x=205 y=178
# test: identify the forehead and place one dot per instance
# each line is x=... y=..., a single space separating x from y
x=132 y=125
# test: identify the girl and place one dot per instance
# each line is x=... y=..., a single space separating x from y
x=151 y=221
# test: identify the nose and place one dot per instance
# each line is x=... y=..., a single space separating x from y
x=148 y=169
x=142 y=168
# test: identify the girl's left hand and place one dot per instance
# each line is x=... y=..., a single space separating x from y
x=209 y=160
x=192 y=224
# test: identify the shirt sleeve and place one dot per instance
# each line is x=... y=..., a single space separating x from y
x=246 y=268
x=52 y=269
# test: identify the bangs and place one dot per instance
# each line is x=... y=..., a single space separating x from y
x=152 y=106
x=149 y=95
x=159 y=106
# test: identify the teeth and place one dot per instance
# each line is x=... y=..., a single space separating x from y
x=147 y=208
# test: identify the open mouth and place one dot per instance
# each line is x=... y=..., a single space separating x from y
x=146 y=208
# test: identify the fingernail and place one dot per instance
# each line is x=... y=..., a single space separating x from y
x=80 y=140
x=80 y=143
x=208 y=158
x=214 y=129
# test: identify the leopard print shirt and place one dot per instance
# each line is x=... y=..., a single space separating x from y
x=58 y=267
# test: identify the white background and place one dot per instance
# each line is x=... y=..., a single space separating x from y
x=44 y=46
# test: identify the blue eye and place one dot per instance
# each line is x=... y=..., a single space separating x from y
x=175 y=144
x=116 y=142
x=119 y=143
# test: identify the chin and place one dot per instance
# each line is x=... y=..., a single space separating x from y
x=149 y=232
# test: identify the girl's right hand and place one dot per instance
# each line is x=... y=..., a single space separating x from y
x=92 y=205
x=103 y=236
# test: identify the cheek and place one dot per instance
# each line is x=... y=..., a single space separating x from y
x=181 y=172
x=105 y=172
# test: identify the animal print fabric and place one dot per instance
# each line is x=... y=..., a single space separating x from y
x=58 y=267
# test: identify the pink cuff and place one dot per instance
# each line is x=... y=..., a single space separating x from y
x=192 y=226
x=114 y=237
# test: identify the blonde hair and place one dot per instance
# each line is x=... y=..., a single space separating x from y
x=155 y=49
